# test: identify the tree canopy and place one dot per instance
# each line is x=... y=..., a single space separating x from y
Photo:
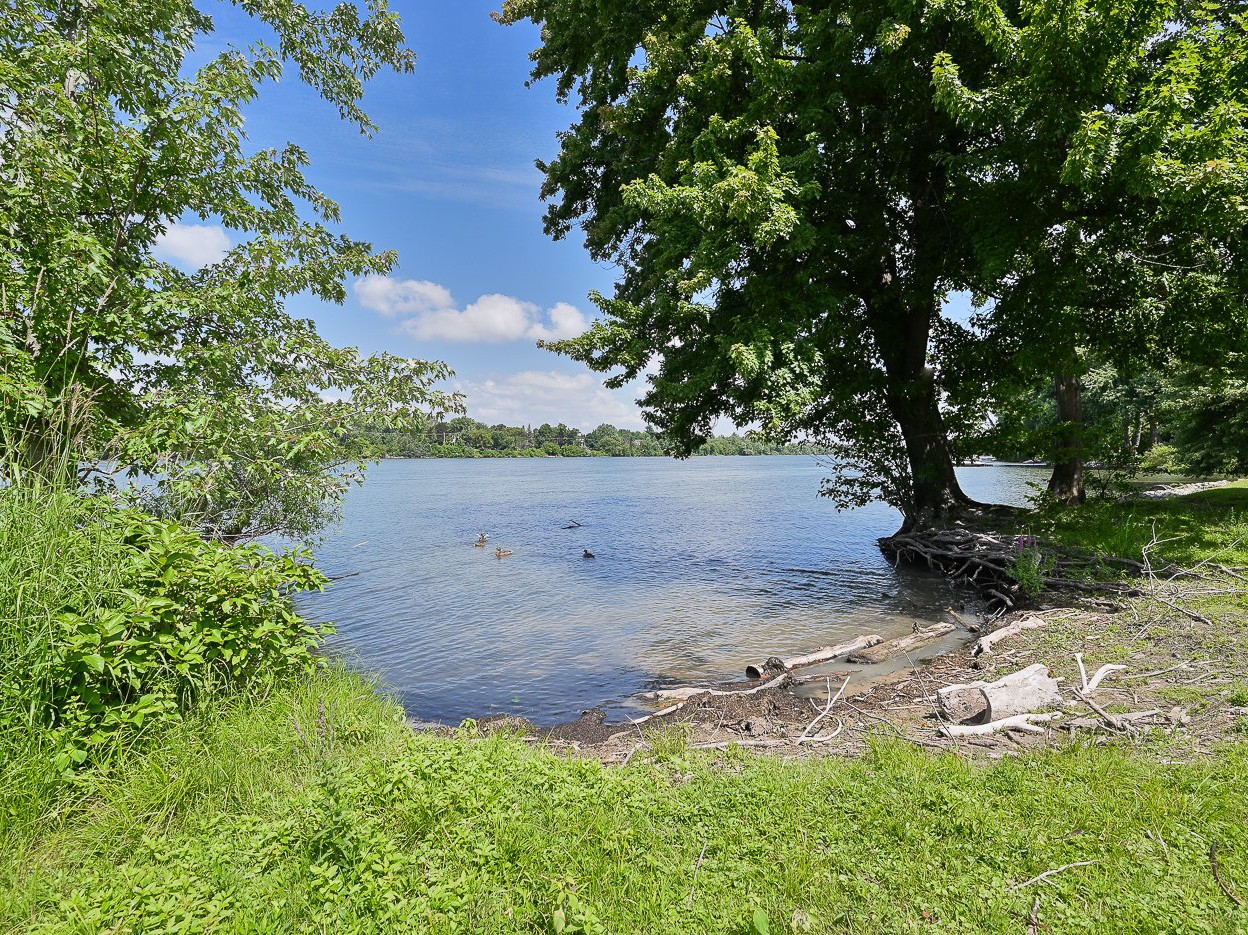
x=791 y=191
x=201 y=379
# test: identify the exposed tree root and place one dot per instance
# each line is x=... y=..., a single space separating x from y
x=989 y=563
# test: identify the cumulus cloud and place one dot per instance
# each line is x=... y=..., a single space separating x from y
x=533 y=396
x=395 y=297
x=427 y=311
x=193 y=245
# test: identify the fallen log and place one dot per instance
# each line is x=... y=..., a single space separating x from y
x=985 y=643
x=902 y=644
x=691 y=691
x=827 y=654
x=1019 y=692
x=1024 y=722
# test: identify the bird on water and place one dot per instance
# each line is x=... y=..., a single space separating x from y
x=500 y=552
x=589 y=554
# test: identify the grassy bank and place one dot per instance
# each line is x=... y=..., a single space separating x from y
x=316 y=810
x=1211 y=525
x=304 y=803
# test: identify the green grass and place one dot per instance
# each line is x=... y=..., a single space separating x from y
x=318 y=811
x=1211 y=524
x=315 y=809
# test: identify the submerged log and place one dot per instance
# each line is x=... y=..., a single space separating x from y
x=775 y=664
x=902 y=644
x=1019 y=692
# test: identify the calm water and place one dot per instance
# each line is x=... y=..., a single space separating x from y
x=702 y=567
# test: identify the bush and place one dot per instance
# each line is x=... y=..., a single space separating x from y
x=1161 y=459
x=116 y=621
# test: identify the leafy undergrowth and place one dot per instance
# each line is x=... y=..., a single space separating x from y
x=1211 y=524
x=317 y=810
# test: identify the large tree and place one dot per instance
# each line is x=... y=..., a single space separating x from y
x=1111 y=142
x=237 y=411
x=772 y=179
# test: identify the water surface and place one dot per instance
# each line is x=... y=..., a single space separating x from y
x=701 y=567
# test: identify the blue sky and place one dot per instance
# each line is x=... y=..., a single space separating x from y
x=449 y=182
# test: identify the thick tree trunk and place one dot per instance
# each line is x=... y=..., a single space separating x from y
x=1066 y=484
x=934 y=491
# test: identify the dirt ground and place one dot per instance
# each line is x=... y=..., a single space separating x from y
x=1188 y=667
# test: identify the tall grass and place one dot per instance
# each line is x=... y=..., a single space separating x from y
x=53 y=558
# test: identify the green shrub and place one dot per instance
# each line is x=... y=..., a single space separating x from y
x=1161 y=459
x=116 y=621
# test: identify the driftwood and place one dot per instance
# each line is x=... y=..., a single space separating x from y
x=692 y=691
x=903 y=644
x=985 y=643
x=1090 y=684
x=827 y=654
x=1019 y=692
x=1025 y=722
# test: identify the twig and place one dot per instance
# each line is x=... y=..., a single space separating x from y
x=725 y=744
x=1199 y=618
x=1145 y=675
x=826 y=710
x=1048 y=873
x=696 y=869
x=1033 y=920
x=1104 y=715
x=883 y=720
x=1217 y=875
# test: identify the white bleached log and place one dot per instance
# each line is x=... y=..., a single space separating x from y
x=1024 y=722
x=683 y=694
x=827 y=654
x=1017 y=693
x=903 y=644
x=985 y=643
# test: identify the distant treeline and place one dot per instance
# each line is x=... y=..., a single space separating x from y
x=464 y=437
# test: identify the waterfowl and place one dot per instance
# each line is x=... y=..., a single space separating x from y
x=501 y=552
x=589 y=554
x=482 y=539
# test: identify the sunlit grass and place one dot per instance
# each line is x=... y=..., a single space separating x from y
x=317 y=810
x=1209 y=525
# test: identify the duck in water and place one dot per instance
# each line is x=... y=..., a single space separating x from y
x=501 y=552
x=588 y=554
x=482 y=539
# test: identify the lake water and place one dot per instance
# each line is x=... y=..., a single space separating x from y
x=702 y=566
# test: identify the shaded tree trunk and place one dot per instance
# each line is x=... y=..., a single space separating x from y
x=1066 y=483
x=913 y=401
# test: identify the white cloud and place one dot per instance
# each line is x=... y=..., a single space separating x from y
x=534 y=396
x=427 y=311
x=394 y=297
x=567 y=322
x=193 y=244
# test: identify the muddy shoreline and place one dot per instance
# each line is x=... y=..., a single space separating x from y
x=1189 y=676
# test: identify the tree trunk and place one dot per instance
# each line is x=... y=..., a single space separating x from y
x=1066 y=484
x=935 y=491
